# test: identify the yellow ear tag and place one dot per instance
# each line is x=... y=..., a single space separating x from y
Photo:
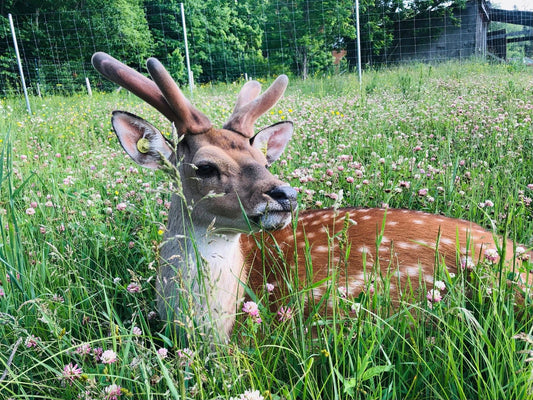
x=264 y=148
x=143 y=145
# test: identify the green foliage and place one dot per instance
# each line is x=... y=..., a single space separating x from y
x=302 y=34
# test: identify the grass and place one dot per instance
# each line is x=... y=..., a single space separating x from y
x=80 y=224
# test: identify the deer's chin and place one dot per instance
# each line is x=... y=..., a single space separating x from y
x=272 y=220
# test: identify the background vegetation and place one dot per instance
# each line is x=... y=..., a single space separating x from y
x=80 y=224
x=225 y=37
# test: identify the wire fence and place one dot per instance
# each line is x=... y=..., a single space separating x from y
x=311 y=38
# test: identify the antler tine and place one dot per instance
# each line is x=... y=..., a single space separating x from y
x=133 y=81
x=247 y=110
x=249 y=92
x=188 y=119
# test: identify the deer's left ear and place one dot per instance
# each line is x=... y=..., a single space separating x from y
x=141 y=140
x=272 y=141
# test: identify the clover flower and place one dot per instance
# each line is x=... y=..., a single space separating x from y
x=285 y=313
x=185 y=357
x=134 y=287
x=467 y=263
x=521 y=254
x=112 y=392
x=434 y=295
x=71 y=373
x=491 y=255
x=249 y=395
x=162 y=353
x=252 y=310
x=108 y=357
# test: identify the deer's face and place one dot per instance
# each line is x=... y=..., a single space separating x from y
x=223 y=172
x=226 y=180
x=224 y=175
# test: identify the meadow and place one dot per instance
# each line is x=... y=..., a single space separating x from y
x=80 y=225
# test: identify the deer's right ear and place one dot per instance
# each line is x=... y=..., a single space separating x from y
x=141 y=140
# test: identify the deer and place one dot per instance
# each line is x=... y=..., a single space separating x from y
x=232 y=223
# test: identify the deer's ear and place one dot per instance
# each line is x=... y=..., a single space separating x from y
x=141 y=140
x=273 y=140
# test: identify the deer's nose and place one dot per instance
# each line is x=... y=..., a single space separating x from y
x=285 y=196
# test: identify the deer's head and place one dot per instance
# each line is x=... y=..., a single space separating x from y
x=224 y=172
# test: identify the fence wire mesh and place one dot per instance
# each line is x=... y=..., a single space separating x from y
x=235 y=40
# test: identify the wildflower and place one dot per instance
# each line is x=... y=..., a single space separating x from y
x=467 y=263
x=31 y=341
x=284 y=314
x=491 y=255
x=58 y=298
x=137 y=331
x=356 y=308
x=162 y=352
x=84 y=349
x=251 y=309
x=440 y=285
x=185 y=356
x=521 y=254
x=97 y=353
x=2 y=293
x=30 y=211
x=121 y=206
x=108 y=357
x=269 y=287
x=342 y=291
x=422 y=192
x=71 y=373
x=350 y=179
x=434 y=296
x=249 y=395
x=405 y=184
x=134 y=287
x=112 y=392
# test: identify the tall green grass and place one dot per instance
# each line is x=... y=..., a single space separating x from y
x=80 y=225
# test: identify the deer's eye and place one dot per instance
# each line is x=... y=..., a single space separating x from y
x=204 y=171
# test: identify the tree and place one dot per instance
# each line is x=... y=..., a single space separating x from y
x=57 y=40
x=225 y=38
x=303 y=33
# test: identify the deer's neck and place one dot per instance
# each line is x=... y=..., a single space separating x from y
x=202 y=266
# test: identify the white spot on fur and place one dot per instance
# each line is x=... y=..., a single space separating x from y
x=412 y=272
x=321 y=249
x=406 y=245
x=417 y=222
x=447 y=241
x=391 y=223
x=363 y=249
